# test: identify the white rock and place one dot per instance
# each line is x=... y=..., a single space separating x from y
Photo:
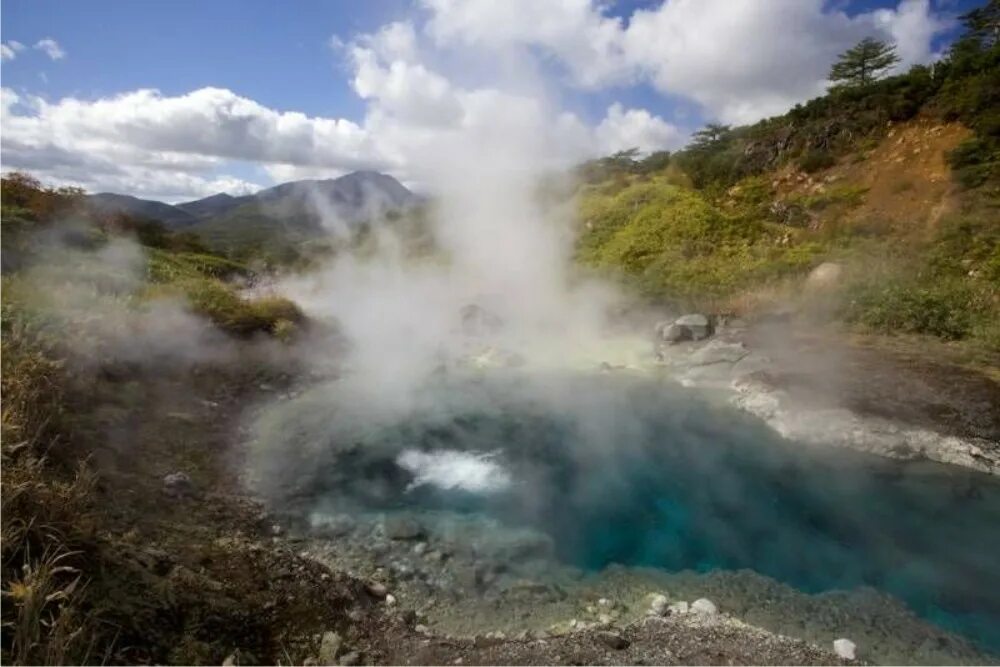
x=844 y=648
x=679 y=607
x=390 y=599
x=658 y=604
x=703 y=606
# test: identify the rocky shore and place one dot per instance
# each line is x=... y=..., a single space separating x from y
x=815 y=389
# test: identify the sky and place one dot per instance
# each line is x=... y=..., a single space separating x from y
x=181 y=99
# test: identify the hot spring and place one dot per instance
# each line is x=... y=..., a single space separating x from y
x=620 y=469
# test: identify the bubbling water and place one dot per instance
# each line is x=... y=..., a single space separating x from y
x=622 y=469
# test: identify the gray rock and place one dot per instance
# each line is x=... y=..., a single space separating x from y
x=329 y=647
x=402 y=528
x=658 y=605
x=612 y=640
x=675 y=333
x=704 y=607
x=679 y=607
x=178 y=485
x=376 y=590
x=844 y=648
x=697 y=324
x=719 y=352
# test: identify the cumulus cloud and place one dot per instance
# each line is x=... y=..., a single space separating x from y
x=10 y=49
x=462 y=64
x=148 y=143
x=51 y=48
x=740 y=59
x=624 y=128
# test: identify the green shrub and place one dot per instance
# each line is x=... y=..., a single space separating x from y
x=815 y=160
x=944 y=309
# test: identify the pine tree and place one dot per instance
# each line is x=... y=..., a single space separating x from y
x=863 y=63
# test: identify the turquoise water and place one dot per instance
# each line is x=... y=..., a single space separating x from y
x=639 y=473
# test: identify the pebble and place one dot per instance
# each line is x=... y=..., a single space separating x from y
x=419 y=548
x=376 y=590
x=390 y=599
x=658 y=605
x=328 y=648
x=844 y=648
x=703 y=606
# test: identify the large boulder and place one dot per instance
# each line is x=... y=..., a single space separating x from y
x=697 y=324
x=675 y=333
x=824 y=277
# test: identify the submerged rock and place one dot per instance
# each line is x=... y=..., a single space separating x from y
x=844 y=648
x=402 y=528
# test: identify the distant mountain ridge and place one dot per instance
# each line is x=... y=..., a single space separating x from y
x=293 y=211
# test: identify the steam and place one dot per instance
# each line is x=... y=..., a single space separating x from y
x=503 y=256
x=450 y=469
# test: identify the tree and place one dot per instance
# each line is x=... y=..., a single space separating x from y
x=983 y=24
x=863 y=63
x=712 y=136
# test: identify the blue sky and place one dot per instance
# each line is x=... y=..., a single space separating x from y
x=278 y=55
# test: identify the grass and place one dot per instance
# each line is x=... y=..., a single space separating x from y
x=673 y=244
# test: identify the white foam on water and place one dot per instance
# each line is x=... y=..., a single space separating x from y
x=453 y=469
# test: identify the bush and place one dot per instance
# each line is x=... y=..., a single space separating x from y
x=816 y=160
x=944 y=309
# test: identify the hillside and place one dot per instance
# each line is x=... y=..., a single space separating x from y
x=893 y=187
x=171 y=216
x=274 y=223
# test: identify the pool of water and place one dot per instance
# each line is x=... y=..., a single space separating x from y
x=637 y=472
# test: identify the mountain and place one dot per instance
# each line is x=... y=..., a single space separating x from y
x=299 y=211
x=213 y=205
x=170 y=216
x=286 y=214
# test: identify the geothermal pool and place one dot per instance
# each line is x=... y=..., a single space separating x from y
x=635 y=471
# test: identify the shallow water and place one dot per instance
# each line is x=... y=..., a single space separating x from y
x=631 y=471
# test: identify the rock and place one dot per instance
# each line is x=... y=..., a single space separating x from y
x=329 y=646
x=697 y=324
x=604 y=602
x=376 y=590
x=178 y=485
x=421 y=629
x=230 y=660
x=844 y=648
x=703 y=606
x=350 y=658
x=390 y=599
x=719 y=352
x=658 y=605
x=824 y=277
x=402 y=528
x=678 y=608
x=331 y=525
x=612 y=640
x=675 y=333
x=419 y=548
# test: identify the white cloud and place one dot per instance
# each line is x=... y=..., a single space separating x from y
x=51 y=48
x=171 y=146
x=624 y=128
x=740 y=59
x=10 y=49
